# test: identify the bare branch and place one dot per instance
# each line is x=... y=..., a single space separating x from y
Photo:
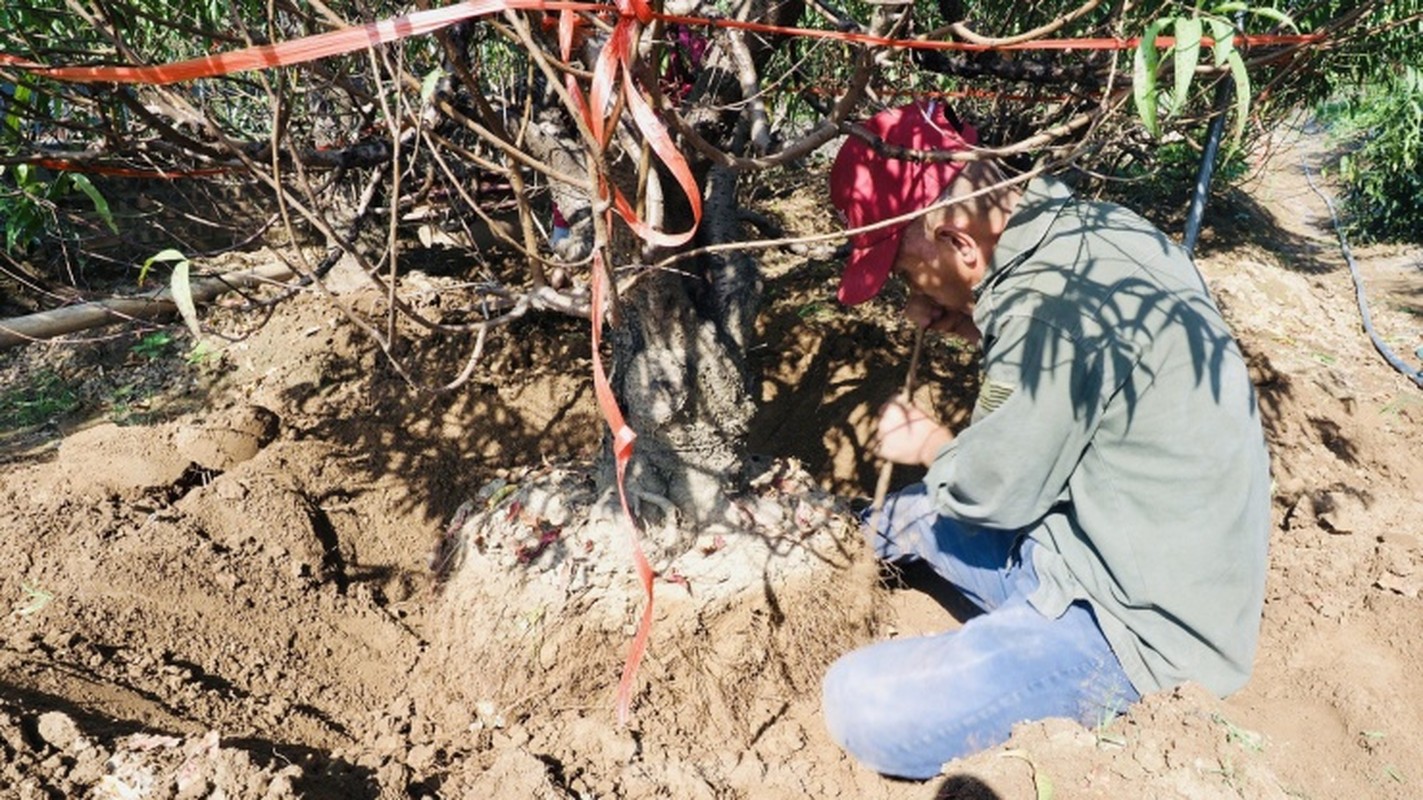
x=962 y=31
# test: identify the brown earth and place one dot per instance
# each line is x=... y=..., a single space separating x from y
x=219 y=567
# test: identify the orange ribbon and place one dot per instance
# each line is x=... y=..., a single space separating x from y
x=623 y=439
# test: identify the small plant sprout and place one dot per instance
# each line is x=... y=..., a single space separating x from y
x=47 y=396
x=1226 y=771
x=1401 y=402
x=1250 y=740
x=153 y=345
x=815 y=312
x=1042 y=784
x=1105 y=738
x=201 y=354
x=35 y=600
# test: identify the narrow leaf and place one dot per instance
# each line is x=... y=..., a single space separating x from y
x=36 y=600
x=166 y=255
x=1223 y=34
x=21 y=94
x=101 y=205
x=429 y=84
x=1188 y=52
x=1274 y=15
x=1242 y=92
x=1144 y=64
x=183 y=298
x=1042 y=784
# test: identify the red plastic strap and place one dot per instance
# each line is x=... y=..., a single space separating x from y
x=612 y=62
x=623 y=439
x=296 y=51
x=605 y=72
x=345 y=40
x=66 y=165
x=929 y=44
x=661 y=143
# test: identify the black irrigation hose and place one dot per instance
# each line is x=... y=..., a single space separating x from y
x=1388 y=354
x=1201 y=193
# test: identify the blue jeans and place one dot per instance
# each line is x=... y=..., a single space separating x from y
x=905 y=707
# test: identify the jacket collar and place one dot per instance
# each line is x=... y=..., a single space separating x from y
x=1042 y=201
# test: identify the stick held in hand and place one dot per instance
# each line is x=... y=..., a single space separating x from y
x=882 y=485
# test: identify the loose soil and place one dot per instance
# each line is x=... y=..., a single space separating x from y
x=277 y=572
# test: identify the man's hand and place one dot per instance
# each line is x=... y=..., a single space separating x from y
x=909 y=436
x=930 y=315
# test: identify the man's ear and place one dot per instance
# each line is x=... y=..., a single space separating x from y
x=964 y=245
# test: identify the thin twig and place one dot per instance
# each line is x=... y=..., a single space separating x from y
x=887 y=470
x=965 y=33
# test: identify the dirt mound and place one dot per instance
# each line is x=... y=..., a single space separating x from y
x=50 y=755
x=221 y=583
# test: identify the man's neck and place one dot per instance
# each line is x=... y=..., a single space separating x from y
x=994 y=221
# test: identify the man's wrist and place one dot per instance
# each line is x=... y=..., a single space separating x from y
x=937 y=440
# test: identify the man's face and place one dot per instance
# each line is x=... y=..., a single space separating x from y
x=941 y=265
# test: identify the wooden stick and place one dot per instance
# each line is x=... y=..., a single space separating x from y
x=57 y=322
x=882 y=486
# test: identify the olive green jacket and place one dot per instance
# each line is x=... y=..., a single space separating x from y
x=1117 y=425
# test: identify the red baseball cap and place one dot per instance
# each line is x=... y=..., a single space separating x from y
x=868 y=187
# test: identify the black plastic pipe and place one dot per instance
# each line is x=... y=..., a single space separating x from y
x=1197 y=211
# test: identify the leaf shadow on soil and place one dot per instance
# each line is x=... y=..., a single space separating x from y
x=820 y=409
x=1293 y=222
x=323 y=777
x=444 y=446
x=823 y=398
x=1273 y=390
x=1240 y=219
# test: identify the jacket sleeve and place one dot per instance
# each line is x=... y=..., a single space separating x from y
x=1038 y=407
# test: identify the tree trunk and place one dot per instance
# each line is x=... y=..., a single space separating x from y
x=680 y=338
x=680 y=375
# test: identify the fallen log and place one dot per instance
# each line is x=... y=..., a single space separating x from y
x=114 y=310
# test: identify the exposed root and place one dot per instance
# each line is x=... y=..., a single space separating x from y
x=749 y=614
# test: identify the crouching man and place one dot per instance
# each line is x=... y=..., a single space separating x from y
x=1108 y=505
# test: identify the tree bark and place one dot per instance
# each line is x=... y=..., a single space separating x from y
x=681 y=375
x=684 y=392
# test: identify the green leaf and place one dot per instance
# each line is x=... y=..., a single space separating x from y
x=1223 y=34
x=1042 y=784
x=1242 y=92
x=101 y=205
x=21 y=96
x=36 y=600
x=1188 y=52
x=183 y=298
x=165 y=256
x=1275 y=15
x=429 y=83
x=1144 y=64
